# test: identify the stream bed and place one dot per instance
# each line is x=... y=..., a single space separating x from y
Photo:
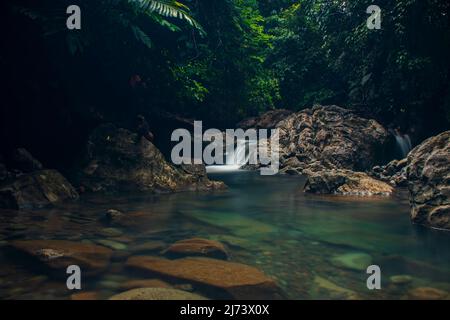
x=315 y=247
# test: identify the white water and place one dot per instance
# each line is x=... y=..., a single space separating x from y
x=403 y=143
x=238 y=157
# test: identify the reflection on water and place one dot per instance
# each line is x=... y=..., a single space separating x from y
x=316 y=247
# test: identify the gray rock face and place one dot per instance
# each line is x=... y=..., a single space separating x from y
x=428 y=174
x=36 y=190
x=117 y=161
x=329 y=137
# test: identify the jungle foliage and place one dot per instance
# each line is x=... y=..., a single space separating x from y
x=223 y=60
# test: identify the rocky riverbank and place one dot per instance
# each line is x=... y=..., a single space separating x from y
x=115 y=161
x=336 y=150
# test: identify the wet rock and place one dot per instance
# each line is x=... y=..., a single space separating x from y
x=149 y=246
x=427 y=293
x=118 y=162
x=345 y=182
x=36 y=190
x=357 y=261
x=87 y=295
x=112 y=215
x=400 y=279
x=157 y=294
x=393 y=173
x=110 y=232
x=145 y=283
x=238 y=280
x=24 y=161
x=197 y=247
x=267 y=120
x=428 y=175
x=329 y=137
x=112 y=244
x=335 y=291
x=120 y=255
x=59 y=254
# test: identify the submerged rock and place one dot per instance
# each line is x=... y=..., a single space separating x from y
x=36 y=190
x=428 y=175
x=400 y=279
x=345 y=182
x=117 y=161
x=427 y=293
x=197 y=247
x=357 y=261
x=329 y=137
x=144 y=283
x=238 y=280
x=59 y=254
x=335 y=291
x=156 y=294
x=112 y=244
x=87 y=295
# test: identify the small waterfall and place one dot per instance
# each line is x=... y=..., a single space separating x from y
x=238 y=157
x=403 y=143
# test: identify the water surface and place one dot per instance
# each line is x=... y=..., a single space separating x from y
x=265 y=221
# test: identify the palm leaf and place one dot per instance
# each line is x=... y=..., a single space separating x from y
x=168 y=8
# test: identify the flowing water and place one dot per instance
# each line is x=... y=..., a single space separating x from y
x=403 y=143
x=265 y=221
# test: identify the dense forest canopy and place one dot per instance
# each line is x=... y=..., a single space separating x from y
x=219 y=61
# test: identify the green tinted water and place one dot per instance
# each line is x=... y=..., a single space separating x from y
x=315 y=247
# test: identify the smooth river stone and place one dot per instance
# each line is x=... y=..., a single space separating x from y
x=197 y=247
x=144 y=283
x=112 y=244
x=238 y=280
x=59 y=254
x=357 y=261
x=156 y=294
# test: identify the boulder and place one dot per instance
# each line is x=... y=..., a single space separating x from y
x=345 y=182
x=239 y=281
x=118 y=162
x=393 y=173
x=57 y=255
x=197 y=247
x=428 y=174
x=267 y=120
x=36 y=190
x=329 y=137
x=156 y=294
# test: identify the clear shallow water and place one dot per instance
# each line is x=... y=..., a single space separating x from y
x=266 y=222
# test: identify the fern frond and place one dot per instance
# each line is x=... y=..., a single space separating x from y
x=169 y=8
